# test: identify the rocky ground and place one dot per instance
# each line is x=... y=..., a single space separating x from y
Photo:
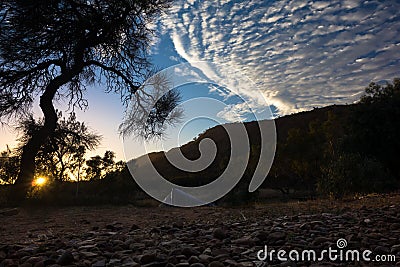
x=212 y=236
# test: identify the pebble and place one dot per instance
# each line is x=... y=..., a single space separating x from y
x=101 y=263
x=193 y=259
x=148 y=258
x=216 y=264
x=205 y=258
x=66 y=258
x=211 y=243
x=219 y=233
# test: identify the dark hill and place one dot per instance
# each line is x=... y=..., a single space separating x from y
x=299 y=121
x=335 y=151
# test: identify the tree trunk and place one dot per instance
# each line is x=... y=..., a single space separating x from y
x=30 y=150
x=77 y=182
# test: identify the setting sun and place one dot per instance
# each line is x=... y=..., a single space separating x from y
x=39 y=181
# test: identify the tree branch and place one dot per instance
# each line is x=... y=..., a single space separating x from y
x=10 y=74
x=115 y=71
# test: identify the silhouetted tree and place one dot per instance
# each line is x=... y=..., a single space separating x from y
x=79 y=160
x=374 y=127
x=64 y=150
x=299 y=159
x=378 y=93
x=365 y=158
x=9 y=166
x=94 y=168
x=97 y=167
x=108 y=161
x=55 y=49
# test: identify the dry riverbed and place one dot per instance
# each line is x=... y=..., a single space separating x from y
x=209 y=236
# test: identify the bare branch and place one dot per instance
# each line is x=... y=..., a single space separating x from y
x=119 y=73
x=12 y=75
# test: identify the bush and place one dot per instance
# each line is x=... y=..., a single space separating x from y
x=351 y=173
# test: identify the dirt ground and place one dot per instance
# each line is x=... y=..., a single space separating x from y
x=26 y=224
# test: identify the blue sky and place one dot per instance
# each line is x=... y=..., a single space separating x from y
x=298 y=54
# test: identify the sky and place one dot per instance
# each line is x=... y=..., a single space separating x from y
x=295 y=55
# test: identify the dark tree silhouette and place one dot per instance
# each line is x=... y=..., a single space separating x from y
x=64 y=150
x=375 y=124
x=108 y=161
x=94 y=168
x=97 y=167
x=9 y=163
x=55 y=49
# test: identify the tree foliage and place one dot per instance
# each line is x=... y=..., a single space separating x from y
x=365 y=157
x=73 y=43
x=154 y=109
x=347 y=174
x=375 y=124
x=9 y=164
x=64 y=150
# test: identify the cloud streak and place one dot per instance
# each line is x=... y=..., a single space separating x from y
x=301 y=54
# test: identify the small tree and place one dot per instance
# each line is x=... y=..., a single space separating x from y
x=98 y=167
x=301 y=156
x=9 y=165
x=64 y=150
x=374 y=126
x=108 y=161
x=94 y=168
x=377 y=93
x=79 y=159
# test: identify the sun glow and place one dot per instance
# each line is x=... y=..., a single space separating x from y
x=40 y=181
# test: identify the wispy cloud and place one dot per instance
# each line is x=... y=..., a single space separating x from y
x=301 y=54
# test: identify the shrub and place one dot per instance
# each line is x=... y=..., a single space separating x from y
x=351 y=173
